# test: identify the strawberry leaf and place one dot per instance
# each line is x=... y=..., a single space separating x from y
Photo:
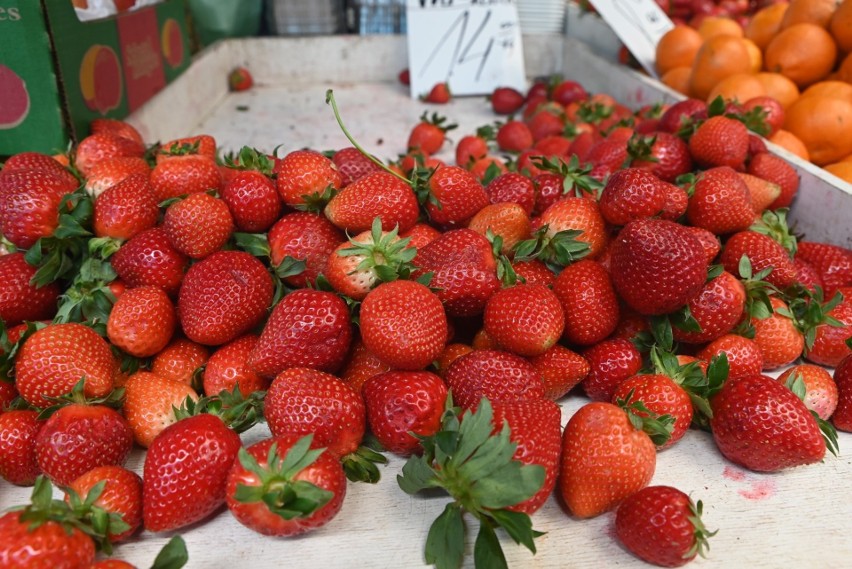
x=486 y=550
x=445 y=541
x=173 y=555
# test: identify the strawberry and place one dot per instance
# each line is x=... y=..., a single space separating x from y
x=201 y=145
x=307 y=328
x=560 y=370
x=150 y=403
x=306 y=237
x=663 y=154
x=361 y=366
x=778 y=171
x=142 y=321
x=470 y=149
x=101 y=146
x=79 y=437
x=455 y=196
x=497 y=375
x=120 y=494
x=607 y=156
x=717 y=308
x=578 y=214
x=223 y=296
x=116 y=127
x=451 y=353
x=763 y=252
x=439 y=94
x=720 y=141
x=29 y=205
x=19 y=299
x=228 y=369
x=353 y=165
x=585 y=291
x=429 y=134
x=661 y=395
x=833 y=263
x=112 y=171
x=285 y=486
x=514 y=188
x=401 y=404
x=842 y=417
x=534 y=272
x=149 y=259
x=605 y=459
x=688 y=110
x=185 y=174
x=820 y=390
x=368 y=259
x=306 y=401
x=751 y=410
x=240 y=79
x=777 y=337
x=463 y=268
x=252 y=199
x=761 y=192
x=38 y=161
x=632 y=194
x=508 y=221
x=198 y=225
x=181 y=361
x=611 y=362
x=483 y=170
x=524 y=319
x=305 y=175
x=547 y=121
x=404 y=324
x=657 y=265
x=514 y=136
x=662 y=525
x=18 y=463
x=744 y=356
x=506 y=100
x=807 y=275
x=827 y=332
x=379 y=194
x=709 y=241
x=720 y=202
x=53 y=359
x=126 y=209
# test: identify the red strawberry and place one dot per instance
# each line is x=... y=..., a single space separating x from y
x=456 y=196
x=305 y=174
x=223 y=296
x=303 y=401
x=116 y=127
x=404 y=324
x=657 y=265
x=353 y=165
x=717 y=308
x=829 y=345
x=361 y=366
x=762 y=192
x=611 y=362
x=534 y=425
x=55 y=358
x=820 y=390
x=497 y=375
x=240 y=79
x=470 y=149
x=439 y=95
x=833 y=263
x=744 y=356
x=778 y=171
x=38 y=161
x=579 y=214
x=308 y=484
x=198 y=225
x=605 y=459
x=763 y=252
x=307 y=328
x=525 y=319
x=379 y=194
x=720 y=141
x=842 y=417
x=675 y=116
x=661 y=395
x=662 y=525
x=201 y=145
x=807 y=275
x=180 y=175
x=429 y=134
x=185 y=473
x=514 y=188
x=253 y=201
x=228 y=369
x=547 y=121
x=561 y=370
x=121 y=495
x=18 y=463
x=101 y=146
x=721 y=202
x=77 y=438
x=19 y=299
x=142 y=321
x=514 y=136
x=29 y=204
x=150 y=403
x=126 y=208
x=506 y=100
x=607 y=156
x=632 y=194
x=534 y=272
x=149 y=259
x=663 y=154
x=585 y=291
x=749 y=411
x=508 y=221
x=111 y=171
x=777 y=337
x=400 y=403
x=709 y=242
x=307 y=237
x=181 y=361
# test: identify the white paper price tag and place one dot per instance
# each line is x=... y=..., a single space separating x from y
x=474 y=46
x=639 y=24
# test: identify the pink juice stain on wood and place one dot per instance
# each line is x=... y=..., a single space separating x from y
x=760 y=490
x=733 y=474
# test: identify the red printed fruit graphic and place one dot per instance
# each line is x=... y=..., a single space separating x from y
x=14 y=99
x=172 y=43
x=100 y=79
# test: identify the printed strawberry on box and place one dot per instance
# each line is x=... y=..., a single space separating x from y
x=57 y=73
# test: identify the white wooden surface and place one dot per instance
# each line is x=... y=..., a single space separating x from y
x=797 y=518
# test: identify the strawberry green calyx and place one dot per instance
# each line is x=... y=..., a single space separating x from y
x=657 y=427
x=478 y=471
x=238 y=412
x=701 y=545
x=774 y=224
x=180 y=149
x=557 y=251
x=575 y=176
x=758 y=290
x=249 y=158
x=796 y=384
x=361 y=465
x=505 y=272
x=89 y=299
x=8 y=349
x=283 y=495
x=385 y=254
x=102 y=522
x=77 y=396
x=809 y=312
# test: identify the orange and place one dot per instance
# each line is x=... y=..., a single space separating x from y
x=841 y=26
x=719 y=57
x=846 y=158
x=713 y=26
x=755 y=56
x=816 y=12
x=844 y=71
x=842 y=170
x=791 y=143
x=765 y=24
x=678 y=79
x=740 y=86
x=779 y=88
x=824 y=125
x=677 y=48
x=833 y=89
x=803 y=52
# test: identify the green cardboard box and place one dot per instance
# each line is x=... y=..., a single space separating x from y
x=58 y=73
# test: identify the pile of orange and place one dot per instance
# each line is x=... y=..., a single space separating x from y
x=799 y=53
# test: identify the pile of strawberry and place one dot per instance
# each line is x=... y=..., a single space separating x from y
x=164 y=298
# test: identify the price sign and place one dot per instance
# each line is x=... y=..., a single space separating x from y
x=639 y=24
x=473 y=45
